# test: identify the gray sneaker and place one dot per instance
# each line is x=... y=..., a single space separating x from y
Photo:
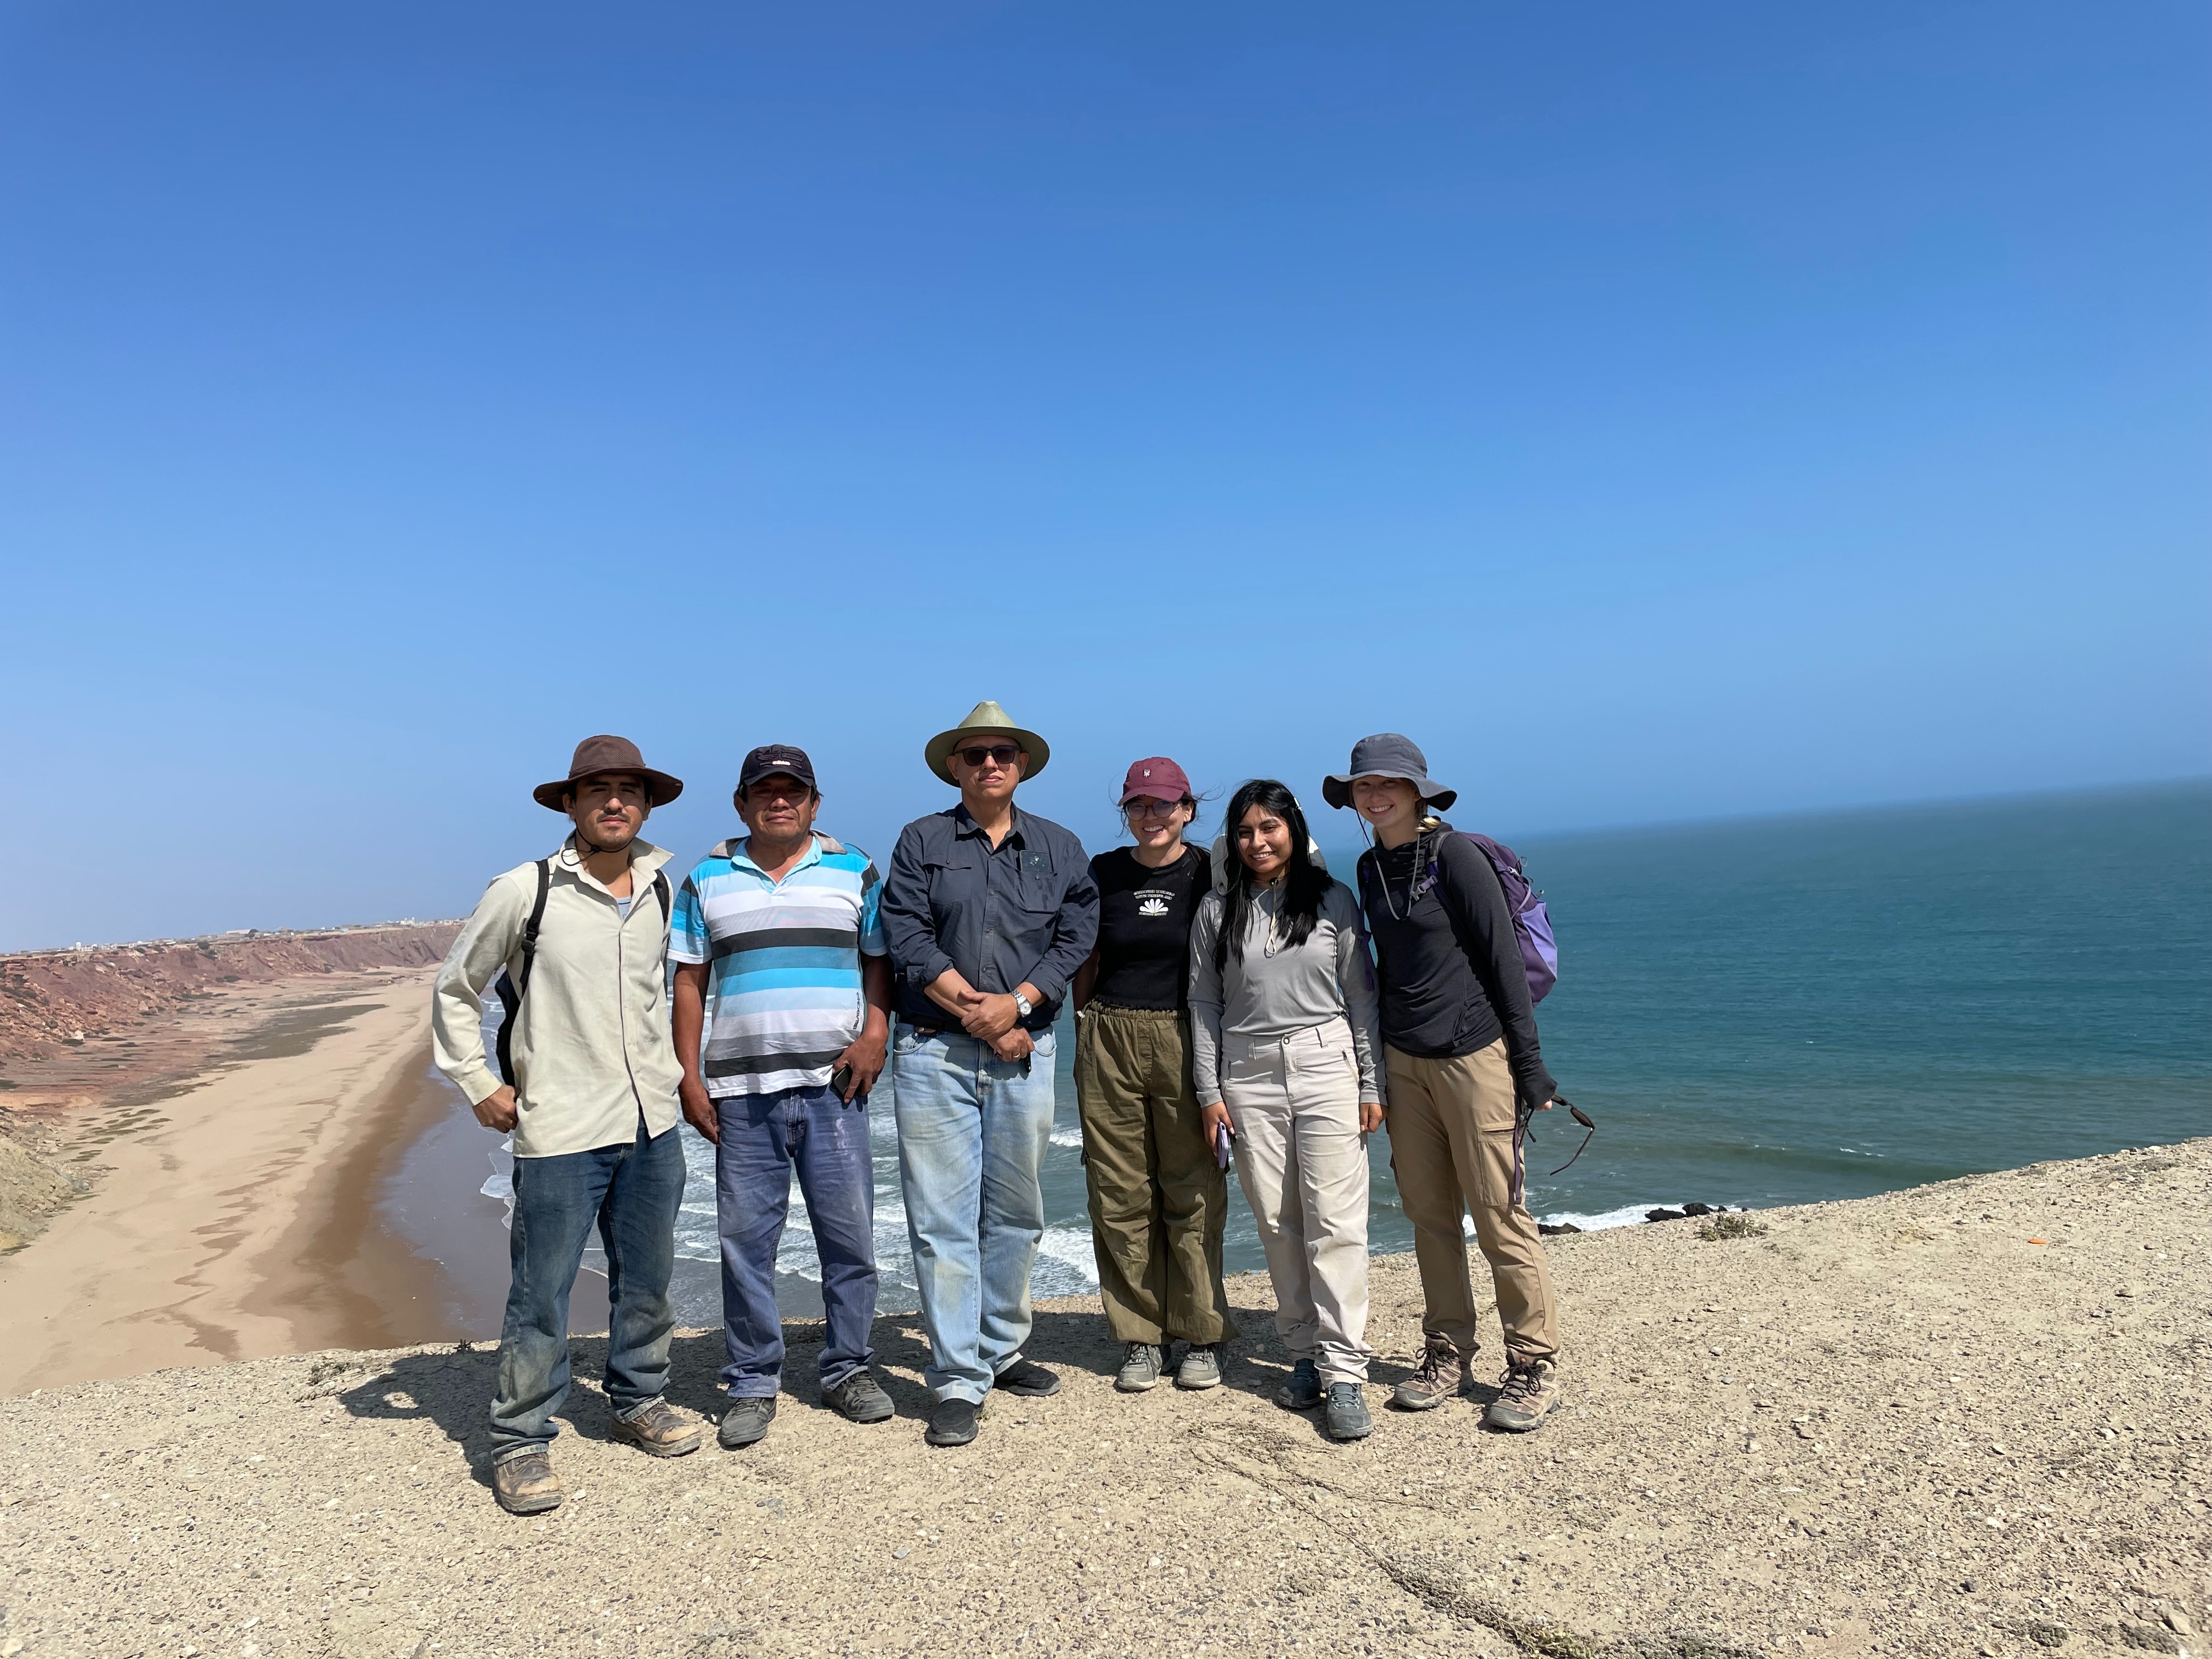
x=1346 y=1416
x=1530 y=1393
x=1140 y=1368
x=1443 y=1371
x=1302 y=1391
x=745 y=1421
x=1201 y=1367
x=859 y=1399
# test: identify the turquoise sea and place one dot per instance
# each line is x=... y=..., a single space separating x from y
x=1777 y=1011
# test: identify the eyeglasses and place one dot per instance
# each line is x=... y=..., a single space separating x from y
x=1003 y=753
x=1144 y=806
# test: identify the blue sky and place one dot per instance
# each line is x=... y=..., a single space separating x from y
x=1659 y=412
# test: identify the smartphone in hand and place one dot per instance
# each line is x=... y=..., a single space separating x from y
x=1222 y=1135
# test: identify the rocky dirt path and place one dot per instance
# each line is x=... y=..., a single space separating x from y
x=1969 y=1419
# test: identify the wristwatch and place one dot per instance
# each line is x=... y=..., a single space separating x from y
x=1021 y=1006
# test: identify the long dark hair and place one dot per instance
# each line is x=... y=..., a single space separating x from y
x=1303 y=883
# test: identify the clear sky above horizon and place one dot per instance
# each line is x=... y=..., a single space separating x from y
x=1658 y=413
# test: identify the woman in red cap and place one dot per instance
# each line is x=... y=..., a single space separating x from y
x=1158 y=1198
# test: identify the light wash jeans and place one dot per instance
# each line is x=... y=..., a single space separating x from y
x=972 y=1131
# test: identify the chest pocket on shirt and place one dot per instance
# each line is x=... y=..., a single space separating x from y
x=1037 y=888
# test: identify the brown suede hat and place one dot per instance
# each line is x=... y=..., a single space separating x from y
x=606 y=754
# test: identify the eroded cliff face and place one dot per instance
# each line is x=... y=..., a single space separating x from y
x=51 y=1000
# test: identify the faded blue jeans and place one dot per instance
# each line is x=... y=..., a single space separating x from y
x=765 y=1139
x=972 y=1133
x=632 y=1192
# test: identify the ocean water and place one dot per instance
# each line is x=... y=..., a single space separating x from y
x=1780 y=1010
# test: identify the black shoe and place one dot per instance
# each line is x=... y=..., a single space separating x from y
x=953 y=1423
x=745 y=1421
x=1030 y=1381
x=1302 y=1392
x=859 y=1399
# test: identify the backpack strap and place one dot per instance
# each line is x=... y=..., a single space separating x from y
x=529 y=928
x=667 y=903
x=509 y=988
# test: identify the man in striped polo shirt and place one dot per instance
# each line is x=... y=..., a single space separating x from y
x=782 y=989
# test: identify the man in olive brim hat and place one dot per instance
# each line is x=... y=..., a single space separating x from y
x=586 y=1082
x=989 y=912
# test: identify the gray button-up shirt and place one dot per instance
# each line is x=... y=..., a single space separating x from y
x=1026 y=909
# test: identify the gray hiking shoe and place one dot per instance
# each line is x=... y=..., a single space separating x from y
x=1201 y=1367
x=745 y=1421
x=1529 y=1394
x=525 y=1485
x=656 y=1431
x=1302 y=1391
x=1443 y=1371
x=859 y=1399
x=1345 y=1415
x=1140 y=1368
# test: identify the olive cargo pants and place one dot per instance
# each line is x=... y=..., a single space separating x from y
x=1159 y=1201
x=1451 y=1144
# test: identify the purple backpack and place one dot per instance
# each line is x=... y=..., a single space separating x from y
x=1532 y=922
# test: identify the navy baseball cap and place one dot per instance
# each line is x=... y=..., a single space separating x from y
x=773 y=758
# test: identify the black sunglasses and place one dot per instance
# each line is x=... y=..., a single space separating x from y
x=1003 y=753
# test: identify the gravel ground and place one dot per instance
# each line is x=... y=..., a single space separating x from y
x=1968 y=1419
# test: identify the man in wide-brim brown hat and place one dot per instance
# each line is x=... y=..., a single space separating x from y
x=586 y=1082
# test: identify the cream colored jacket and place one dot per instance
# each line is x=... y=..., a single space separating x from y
x=592 y=1048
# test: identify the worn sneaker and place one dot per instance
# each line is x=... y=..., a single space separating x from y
x=1443 y=1371
x=524 y=1484
x=953 y=1423
x=745 y=1421
x=1031 y=1382
x=1201 y=1367
x=1140 y=1368
x=1302 y=1392
x=657 y=1431
x=1530 y=1393
x=859 y=1399
x=1345 y=1416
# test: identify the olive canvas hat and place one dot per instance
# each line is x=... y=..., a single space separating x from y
x=608 y=753
x=985 y=719
x=1387 y=755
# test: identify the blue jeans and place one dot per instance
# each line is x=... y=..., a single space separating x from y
x=632 y=1191
x=972 y=1131
x=764 y=1138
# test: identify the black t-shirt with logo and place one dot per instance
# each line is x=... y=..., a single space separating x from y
x=1144 y=927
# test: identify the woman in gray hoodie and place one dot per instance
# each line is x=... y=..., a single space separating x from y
x=1285 y=1057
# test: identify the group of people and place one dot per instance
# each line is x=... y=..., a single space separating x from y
x=1240 y=1006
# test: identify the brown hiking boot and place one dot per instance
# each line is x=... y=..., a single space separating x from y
x=657 y=1431
x=1444 y=1372
x=525 y=1485
x=1530 y=1393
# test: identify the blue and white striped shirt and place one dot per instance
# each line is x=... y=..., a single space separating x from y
x=783 y=990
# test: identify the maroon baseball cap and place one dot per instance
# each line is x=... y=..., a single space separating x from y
x=1157 y=779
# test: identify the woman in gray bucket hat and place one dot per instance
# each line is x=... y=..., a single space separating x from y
x=1464 y=1069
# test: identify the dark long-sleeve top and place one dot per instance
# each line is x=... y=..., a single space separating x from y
x=1027 y=909
x=1448 y=961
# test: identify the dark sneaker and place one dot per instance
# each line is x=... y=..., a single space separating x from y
x=1201 y=1367
x=1346 y=1416
x=1302 y=1393
x=1140 y=1368
x=1030 y=1382
x=656 y=1431
x=745 y=1421
x=525 y=1485
x=1443 y=1371
x=1529 y=1394
x=859 y=1399
x=953 y=1423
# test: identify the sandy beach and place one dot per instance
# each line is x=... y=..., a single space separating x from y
x=1968 y=1419
x=231 y=1212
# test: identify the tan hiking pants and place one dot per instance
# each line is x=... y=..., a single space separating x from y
x=1159 y=1201
x=1302 y=1164
x=1451 y=1146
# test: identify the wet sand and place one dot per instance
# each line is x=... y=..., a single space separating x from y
x=234 y=1210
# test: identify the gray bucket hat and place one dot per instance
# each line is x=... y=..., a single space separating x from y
x=1387 y=755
